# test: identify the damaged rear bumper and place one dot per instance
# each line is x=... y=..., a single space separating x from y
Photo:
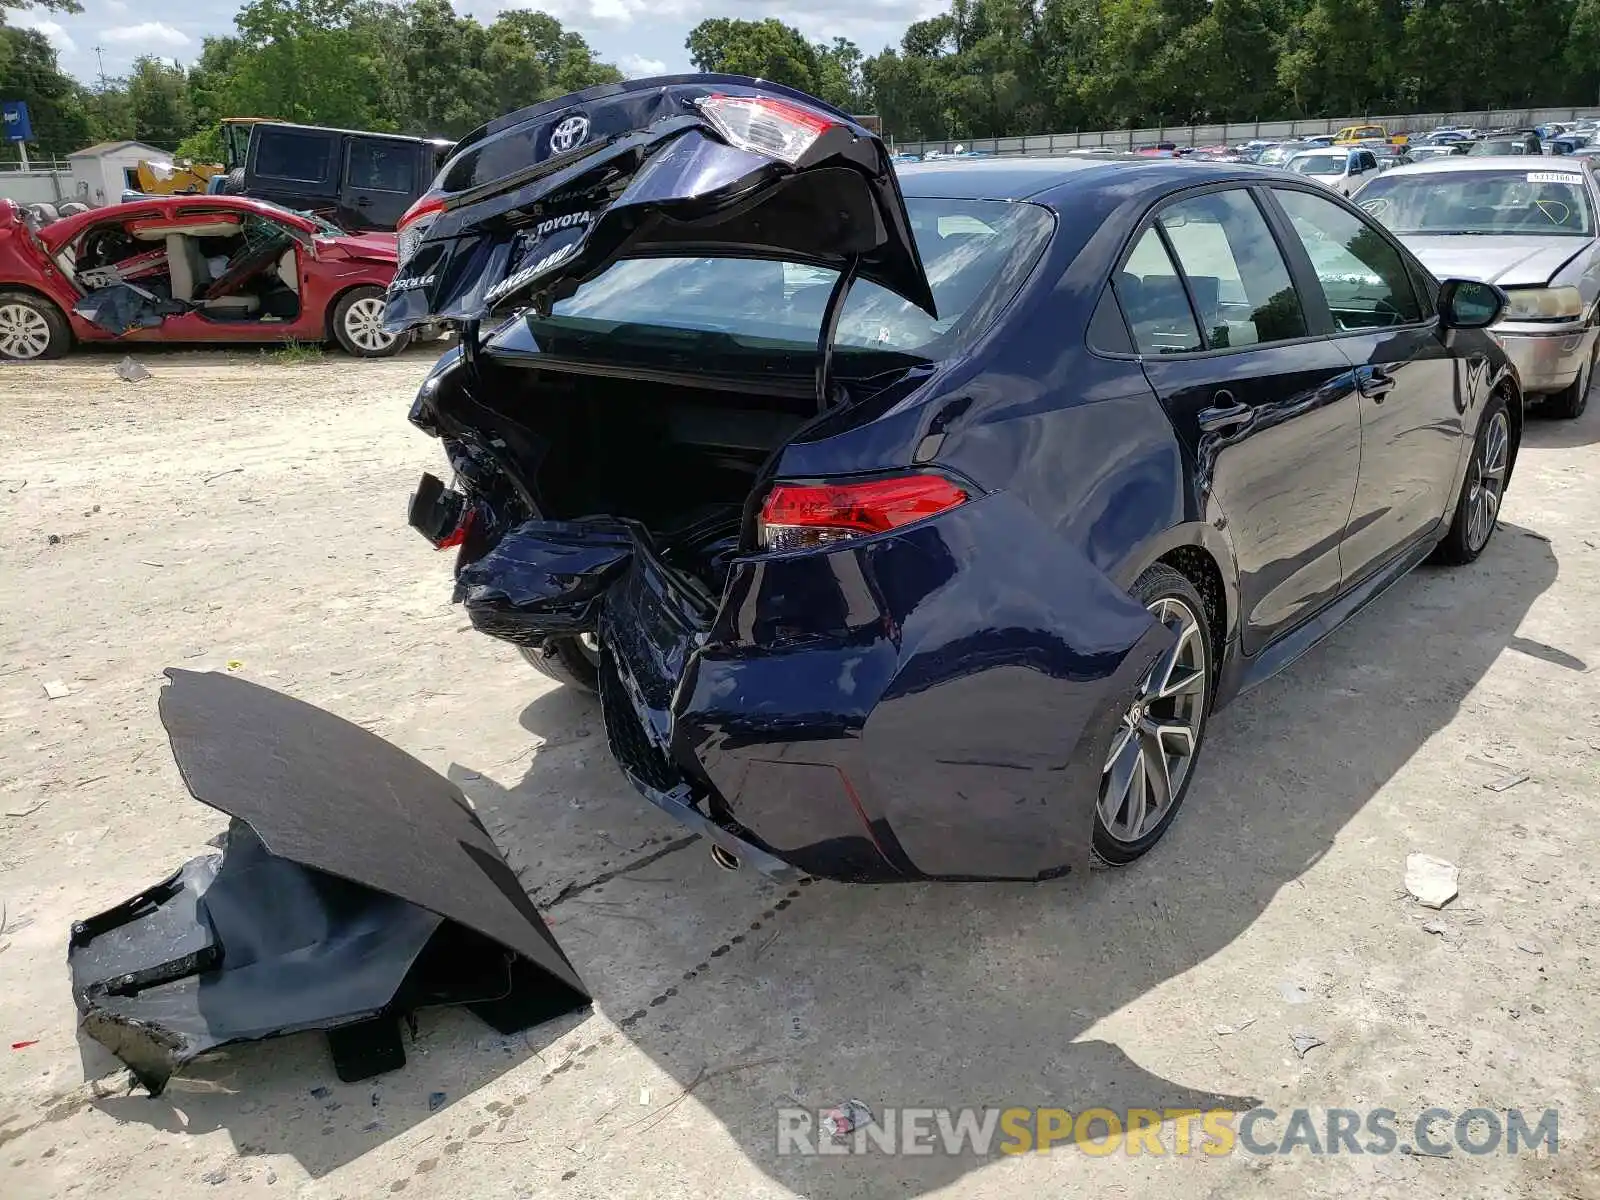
x=354 y=886
x=930 y=703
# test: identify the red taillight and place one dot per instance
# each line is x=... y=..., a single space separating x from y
x=779 y=129
x=798 y=515
x=425 y=206
x=413 y=225
x=458 y=535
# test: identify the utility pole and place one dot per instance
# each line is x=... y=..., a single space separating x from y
x=99 y=57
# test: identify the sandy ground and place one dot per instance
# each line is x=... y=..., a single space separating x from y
x=232 y=510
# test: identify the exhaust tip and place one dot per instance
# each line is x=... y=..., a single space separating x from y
x=723 y=859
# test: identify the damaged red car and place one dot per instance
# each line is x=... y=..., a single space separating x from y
x=190 y=269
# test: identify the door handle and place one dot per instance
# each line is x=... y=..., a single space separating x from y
x=1225 y=415
x=363 y=202
x=1376 y=384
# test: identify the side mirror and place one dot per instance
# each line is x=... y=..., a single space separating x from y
x=1470 y=304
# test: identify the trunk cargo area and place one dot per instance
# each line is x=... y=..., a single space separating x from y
x=672 y=464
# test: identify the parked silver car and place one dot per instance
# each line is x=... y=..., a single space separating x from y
x=1528 y=225
x=1344 y=169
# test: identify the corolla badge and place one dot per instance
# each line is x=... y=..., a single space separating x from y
x=569 y=134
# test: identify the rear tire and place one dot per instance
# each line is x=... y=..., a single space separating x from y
x=32 y=328
x=1154 y=749
x=566 y=660
x=1476 y=511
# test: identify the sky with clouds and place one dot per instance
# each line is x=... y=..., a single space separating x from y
x=643 y=37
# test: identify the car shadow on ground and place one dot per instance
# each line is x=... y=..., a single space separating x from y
x=1546 y=432
x=917 y=995
x=755 y=995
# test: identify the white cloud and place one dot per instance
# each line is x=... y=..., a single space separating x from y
x=53 y=33
x=116 y=7
x=151 y=33
x=636 y=66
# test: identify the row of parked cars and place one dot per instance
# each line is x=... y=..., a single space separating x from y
x=1513 y=207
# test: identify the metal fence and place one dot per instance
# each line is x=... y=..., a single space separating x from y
x=45 y=182
x=1232 y=132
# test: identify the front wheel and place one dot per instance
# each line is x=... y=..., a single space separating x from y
x=1570 y=401
x=1478 y=506
x=358 y=325
x=32 y=327
x=1150 y=761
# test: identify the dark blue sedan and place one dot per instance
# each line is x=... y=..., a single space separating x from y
x=914 y=524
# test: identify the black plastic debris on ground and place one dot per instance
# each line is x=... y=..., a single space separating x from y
x=354 y=887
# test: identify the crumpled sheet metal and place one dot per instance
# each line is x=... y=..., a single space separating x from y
x=355 y=885
x=124 y=306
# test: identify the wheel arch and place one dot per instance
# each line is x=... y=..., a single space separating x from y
x=34 y=291
x=334 y=301
x=1515 y=402
x=43 y=297
x=1204 y=555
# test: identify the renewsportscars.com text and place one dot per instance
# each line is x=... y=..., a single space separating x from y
x=982 y=1132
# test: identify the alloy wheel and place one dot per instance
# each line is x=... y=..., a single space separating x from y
x=1155 y=745
x=24 y=333
x=1488 y=481
x=363 y=323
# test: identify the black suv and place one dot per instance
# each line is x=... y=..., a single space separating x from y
x=357 y=180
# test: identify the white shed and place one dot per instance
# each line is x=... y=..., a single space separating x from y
x=102 y=172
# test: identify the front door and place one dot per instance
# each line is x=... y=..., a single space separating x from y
x=1266 y=406
x=381 y=179
x=1413 y=391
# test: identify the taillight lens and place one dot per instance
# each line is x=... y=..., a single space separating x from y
x=413 y=225
x=801 y=515
x=779 y=129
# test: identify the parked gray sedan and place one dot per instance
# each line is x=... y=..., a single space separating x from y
x=1526 y=224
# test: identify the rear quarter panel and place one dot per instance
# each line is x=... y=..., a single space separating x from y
x=955 y=683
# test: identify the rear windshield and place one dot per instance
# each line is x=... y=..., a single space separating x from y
x=1523 y=202
x=976 y=253
x=1319 y=164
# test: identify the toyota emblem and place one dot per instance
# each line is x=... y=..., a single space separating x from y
x=569 y=134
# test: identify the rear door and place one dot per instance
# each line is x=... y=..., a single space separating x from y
x=1266 y=405
x=382 y=176
x=1413 y=391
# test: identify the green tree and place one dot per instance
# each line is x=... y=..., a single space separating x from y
x=307 y=61
x=158 y=94
x=57 y=104
x=766 y=49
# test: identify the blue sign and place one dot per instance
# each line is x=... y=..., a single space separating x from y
x=14 y=113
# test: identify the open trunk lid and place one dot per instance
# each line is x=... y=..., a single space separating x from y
x=542 y=200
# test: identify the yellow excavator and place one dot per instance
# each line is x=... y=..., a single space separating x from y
x=180 y=177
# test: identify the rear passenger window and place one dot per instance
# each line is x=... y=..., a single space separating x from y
x=1154 y=302
x=1362 y=274
x=1107 y=331
x=382 y=167
x=1240 y=283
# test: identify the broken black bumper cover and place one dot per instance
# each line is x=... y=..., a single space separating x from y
x=354 y=886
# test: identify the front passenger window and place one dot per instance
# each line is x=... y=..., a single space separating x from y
x=1362 y=274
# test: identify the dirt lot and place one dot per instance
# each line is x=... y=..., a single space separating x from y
x=234 y=511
